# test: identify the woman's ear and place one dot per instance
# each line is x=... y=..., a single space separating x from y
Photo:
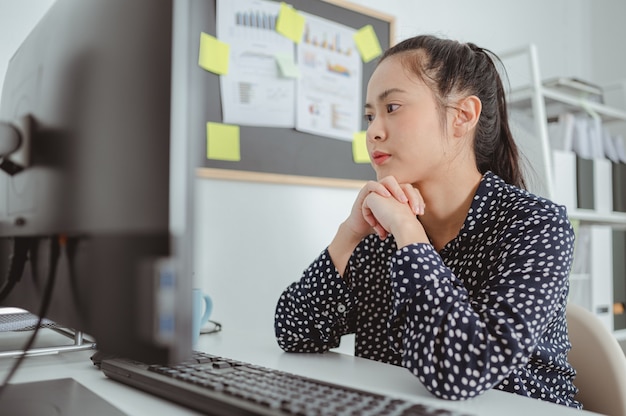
x=466 y=116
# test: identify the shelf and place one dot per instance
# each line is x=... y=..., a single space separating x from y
x=542 y=103
x=521 y=98
x=615 y=219
x=620 y=334
x=579 y=276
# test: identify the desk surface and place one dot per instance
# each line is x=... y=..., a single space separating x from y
x=332 y=367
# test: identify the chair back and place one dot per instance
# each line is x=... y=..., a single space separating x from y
x=599 y=361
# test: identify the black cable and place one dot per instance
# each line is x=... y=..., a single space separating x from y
x=43 y=310
x=17 y=261
x=71 y=248
x=217 y=327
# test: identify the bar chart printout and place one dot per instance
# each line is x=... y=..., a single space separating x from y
x=254 y=93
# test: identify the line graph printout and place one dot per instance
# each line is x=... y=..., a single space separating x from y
x=253 y=92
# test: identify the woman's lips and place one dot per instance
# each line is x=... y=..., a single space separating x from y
x=379 y=157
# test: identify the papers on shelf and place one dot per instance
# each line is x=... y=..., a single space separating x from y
x=610 y=148
x=587 y=137
x=586 y=160
x=582 y=140
x=620 y=147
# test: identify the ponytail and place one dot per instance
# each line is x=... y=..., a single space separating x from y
x=501 y=156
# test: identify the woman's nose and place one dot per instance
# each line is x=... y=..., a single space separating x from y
x=376 y=131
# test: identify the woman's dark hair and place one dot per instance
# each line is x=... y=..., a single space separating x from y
x=449 y=67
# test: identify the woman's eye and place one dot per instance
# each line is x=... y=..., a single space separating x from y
x=392 y=107
x=369 y=118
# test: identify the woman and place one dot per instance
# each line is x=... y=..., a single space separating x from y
x=445 y=265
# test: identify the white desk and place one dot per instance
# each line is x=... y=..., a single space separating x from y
x=263 y=350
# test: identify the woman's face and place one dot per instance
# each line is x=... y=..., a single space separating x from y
x=405 y=138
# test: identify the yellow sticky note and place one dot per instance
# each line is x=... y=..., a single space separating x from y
x=367 y=43
x=222 y=142
x=290 y=23
x=287 y=66
x=214 y=54
x=359 y=148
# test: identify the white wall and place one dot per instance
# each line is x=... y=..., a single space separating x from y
x=17 y=19
x=559 y=28
x=253 y=239
x=608 y=31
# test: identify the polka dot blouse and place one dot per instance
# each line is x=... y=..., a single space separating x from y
x=487 y=311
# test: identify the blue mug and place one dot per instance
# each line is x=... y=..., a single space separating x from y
x=201 y=312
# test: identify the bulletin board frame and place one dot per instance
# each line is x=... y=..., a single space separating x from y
x=281 y=155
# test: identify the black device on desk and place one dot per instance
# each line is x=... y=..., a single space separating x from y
x=221 y=386
x=96 y=181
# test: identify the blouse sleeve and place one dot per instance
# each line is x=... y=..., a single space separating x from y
x=460 y=346
x=313 y=313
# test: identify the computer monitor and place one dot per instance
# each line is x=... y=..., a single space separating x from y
x=96 y=187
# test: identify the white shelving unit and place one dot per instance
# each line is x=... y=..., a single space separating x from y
x=540 y=102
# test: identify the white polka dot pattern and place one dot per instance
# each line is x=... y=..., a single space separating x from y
x=487 y=311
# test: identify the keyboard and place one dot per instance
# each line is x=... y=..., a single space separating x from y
x=221 y=386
